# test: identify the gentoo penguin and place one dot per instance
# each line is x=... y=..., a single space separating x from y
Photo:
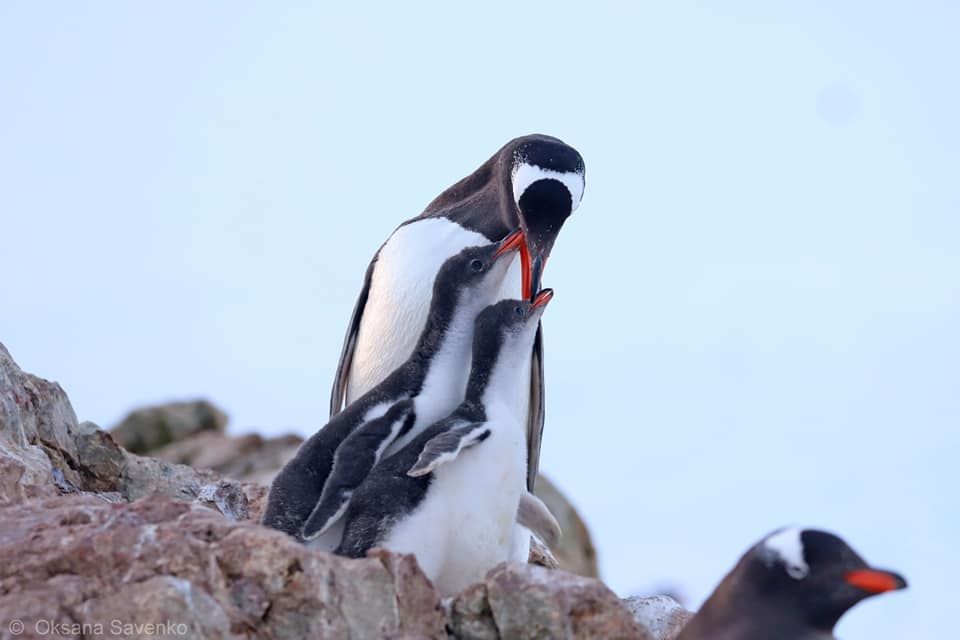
x=451 y=496
x=419 y=392
x=534 y=182
x=792 y=585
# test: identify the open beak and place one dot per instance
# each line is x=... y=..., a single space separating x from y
x=875 y=580
x=514 y=240
x=542 y=298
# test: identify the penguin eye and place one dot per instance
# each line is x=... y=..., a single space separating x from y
x=476 y=265
x=518 y=311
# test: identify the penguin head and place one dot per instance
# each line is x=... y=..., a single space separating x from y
x=547 y=181
x=534 y=182
x=474 y=276
x=813 y=574
x=509 y=324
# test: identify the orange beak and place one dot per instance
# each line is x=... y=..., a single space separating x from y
x=526 y=272
x=514 y=240
x=874 y=580
x=542 y=298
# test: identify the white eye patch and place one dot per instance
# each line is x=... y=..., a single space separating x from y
x=525 y=175
x=787 y=545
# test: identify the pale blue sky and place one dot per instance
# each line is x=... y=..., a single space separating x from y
x=758 y=302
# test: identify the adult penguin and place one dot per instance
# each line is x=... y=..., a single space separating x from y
x=534 y=182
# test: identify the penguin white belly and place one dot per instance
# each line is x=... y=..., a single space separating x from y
x=401 y=288
x=465 y=525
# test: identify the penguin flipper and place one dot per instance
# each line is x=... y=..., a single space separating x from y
x=533 y=514
x=535 y=413
x=338 y=394
x=354 y=459
x=447 y=446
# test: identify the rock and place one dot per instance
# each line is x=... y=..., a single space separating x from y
x=101 y=460
x=150 y=428
x=661 y=616
x=25 y=473
x=576 y=552
x=541 y=555
x=524 y=601
x=101 y=542
x=250 y=457
x=36 y=413
x=471 y=617
x=158 y=560
x=45 y=452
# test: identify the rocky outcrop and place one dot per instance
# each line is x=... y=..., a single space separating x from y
x=152 y=427
x=661 y=616
x=518 y=601
x=158 y=560
x=97 y=541
x=44 y=451
x=250 y=457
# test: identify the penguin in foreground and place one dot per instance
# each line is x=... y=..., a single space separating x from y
x=534 y=182
x=452 y=494
x=419 y=392
x=795 y=584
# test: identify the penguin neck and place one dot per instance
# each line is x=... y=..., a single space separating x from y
x=444 y=345
x=737 y=604
x=499 y=381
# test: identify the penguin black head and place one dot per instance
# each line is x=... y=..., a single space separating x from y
x=503 y=331
x=477 y=270
x=533 y=182
x=795 y=583
x=817 y=573
x=547 y=180
x=508 y=318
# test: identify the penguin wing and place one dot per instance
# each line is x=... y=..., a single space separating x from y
x=354 y=459
x=534 y=515
x=338 y=394
x=447 y=446
x=536 y=411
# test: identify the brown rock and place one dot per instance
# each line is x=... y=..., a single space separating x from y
x=471 y=617
x=150 y=428
x=25 y=472
x=100 y=458
x=250 y=457
x=541 y=555
x=533 y=602
x=36 y=412
x=157 y=560
x=661 y=616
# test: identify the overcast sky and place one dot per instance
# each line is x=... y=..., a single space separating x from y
x=758 y=302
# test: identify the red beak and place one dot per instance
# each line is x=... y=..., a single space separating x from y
x=874 y=580
x=526 y=272
x=542 y=298
x=513 y=241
